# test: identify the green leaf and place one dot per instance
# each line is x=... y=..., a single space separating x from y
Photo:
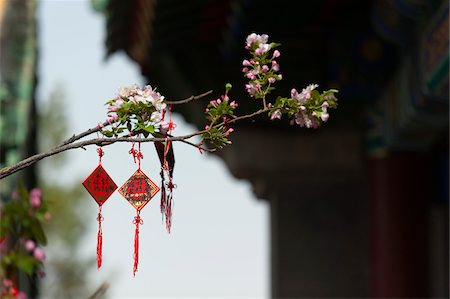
x=274 y=45
x=107 y=133
x=26 y=263
x=38 y=232
x=150 y=129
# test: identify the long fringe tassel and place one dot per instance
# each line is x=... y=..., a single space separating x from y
x=99 y=238
x=163 y=204
x=137 y=221
x=168 y=211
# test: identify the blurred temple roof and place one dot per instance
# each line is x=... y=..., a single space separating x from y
x=359 y=47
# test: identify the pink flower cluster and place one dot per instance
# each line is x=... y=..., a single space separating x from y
x=310 y=118
x=224 y=99
x=11 y=291
x=262 y=70
x=146 y=95
x=35 y=198
x=36 y=251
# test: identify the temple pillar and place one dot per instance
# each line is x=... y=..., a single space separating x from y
x=315 y=182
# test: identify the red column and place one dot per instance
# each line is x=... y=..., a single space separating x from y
x=400 y=193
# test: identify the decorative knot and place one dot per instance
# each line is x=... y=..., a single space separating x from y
x=137 y=154
x=100 y=152
x=137 y=220
x=100 y=217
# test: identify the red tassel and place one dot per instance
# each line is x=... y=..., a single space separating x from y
x=99 y=238
x=137 y=221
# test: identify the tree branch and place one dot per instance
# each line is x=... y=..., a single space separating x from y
x=70 y=143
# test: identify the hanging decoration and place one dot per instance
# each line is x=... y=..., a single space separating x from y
x=167 y=159
x=100 y=185
x=138 y=190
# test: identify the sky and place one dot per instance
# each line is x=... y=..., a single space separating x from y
x=219 y=245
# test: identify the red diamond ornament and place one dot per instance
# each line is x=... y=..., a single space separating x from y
x=100 y=185
x=138 y=190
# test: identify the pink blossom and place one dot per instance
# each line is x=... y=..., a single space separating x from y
x=233 y=104
x=39 y=254
x=255 y=39
x=119 y=103
x=265 y=68
x=272 y=80
x=7 y=283
x=36 y=192
x=21 y=295
x=275 y=66
x=30 y=245
x=229 y=131
x=276 y=114
x=206 y=127
x=156 y=117
x=303 y=119
x=265 y=47
x=276 y=54
x=244 y=70
x=294 y=92
x=168 y=126
x=35 y=202
x=246 y=63
x=252 y=88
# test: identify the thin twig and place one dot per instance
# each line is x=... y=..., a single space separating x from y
x=191 y=98
x=84 y=134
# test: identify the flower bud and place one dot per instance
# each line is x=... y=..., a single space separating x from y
x=7 y=283
x=35 y=201
x=30 y=245
x=246 y=63
x=39 y=254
